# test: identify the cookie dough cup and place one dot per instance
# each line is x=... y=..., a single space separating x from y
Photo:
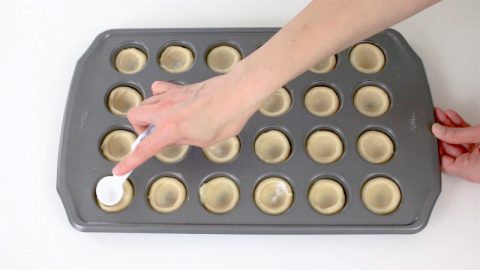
x=130 y=61
x=176 y=59
x=381 y=195
x=322 y=101
x=167 y=194
x=367 y=58
x=273 y=196
x=272 y=147
x=123 y=203
x=324 y=146
x=371 y=101
x=327 y=196
x=122 y=98
x=277 y=104
x=172 y=153
x=325 y=66
x=219 y=195
x=221 y=59
x=224 y=151
x=375 y=147
x=117 y=145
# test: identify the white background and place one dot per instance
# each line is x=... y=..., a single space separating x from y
x=40 y=44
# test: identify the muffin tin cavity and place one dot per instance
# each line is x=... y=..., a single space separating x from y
x=130 y=60
x=371 y=101
x=272 y=147
x=277 y=104
x=223 y=58
x=219 y=195
x=172 y=153
x=375 y=147
x=224 y=151
x=367 y=58
x=122 y=98
x=324 y=146
x=325 y=66
x=167 y=194
x=381 y=195
x=176 y=59
x=273 y=196
x=116 y=145
x=322 y=101
x=123 y=203
x=326 y=196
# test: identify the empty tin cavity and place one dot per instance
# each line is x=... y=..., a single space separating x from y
x=176 y=59
x=130 y=60
x=326 y=196
x=324 y=146
x=381 y=195
x=172 y=153
x=219 y=195
x=324 y=66
x=277 y=104
x=272 y=147
x=167 y=194
x=375 y=147
x=122 y=98
x=123 y=203
x=221 y=59
x=273 y=196
x=367 y=58
x=117 y=144
x=224 y=151
x=371 y=101
x=322 y=101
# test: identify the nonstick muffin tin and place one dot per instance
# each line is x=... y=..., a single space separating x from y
x=345 y=147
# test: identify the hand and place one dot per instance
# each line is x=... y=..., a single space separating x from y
x=199 y=114
x=459 y=145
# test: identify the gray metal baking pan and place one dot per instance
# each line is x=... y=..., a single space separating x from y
x=414 y=166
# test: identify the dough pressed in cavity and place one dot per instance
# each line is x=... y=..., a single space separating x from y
x=117 y=144
x=124 y=201
x=221 y=59
x=322 y=101
x=167 y=194
x=122 y=98
x=325 y=66
x=130 y=61
x=327 y=196
x=277 y=104
x=375 y=147
x=272 y=147
x=176 y=59
x=172 y=153
x=367 y=58
x=324 y=146
x=219 y=195
x=224 y=151
x=273 y=196
x=371 y=101
x=381 y=195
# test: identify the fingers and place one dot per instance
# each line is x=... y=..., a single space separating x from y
x=160 y=87
x=442 y=118
x=140 y=117
x=456 y=118
x=466 y=166
x=145 y=150
x=452 y=150
x=457 y=135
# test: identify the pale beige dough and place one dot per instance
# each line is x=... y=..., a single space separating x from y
x=273 y=196
x=272 y=147
x=324 y=146
x=381 y=195
x=176 y=59
x=327 y=196
x=123 y=203
x=122 y=98
x=172 y=153
x=367 y=58
x=322 y=101
x=371 y=101
x=167 y=194
x=224 y=151
x=130 y=61
x=116 y=145
x=219 y=195
x=325 y=66
x=221 y=59
x=375 y=147
x=277 y=104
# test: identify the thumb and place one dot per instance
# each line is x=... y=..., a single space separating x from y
x=457 y=135
x=160 y=87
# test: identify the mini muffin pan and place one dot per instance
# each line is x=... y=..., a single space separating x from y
x=343 y=148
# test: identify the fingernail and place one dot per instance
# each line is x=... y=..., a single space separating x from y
x=115 y=170
x=438 y=129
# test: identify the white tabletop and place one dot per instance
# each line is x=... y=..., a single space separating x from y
x=40 y=43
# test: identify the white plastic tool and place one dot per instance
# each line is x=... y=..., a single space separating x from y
x=110 y=188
